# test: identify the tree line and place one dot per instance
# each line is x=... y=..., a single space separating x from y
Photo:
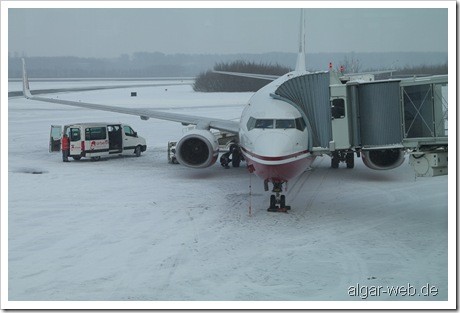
x=210 y=81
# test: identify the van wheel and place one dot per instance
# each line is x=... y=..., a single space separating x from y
x=138 y=151
x=95 y=158
x=76 y=157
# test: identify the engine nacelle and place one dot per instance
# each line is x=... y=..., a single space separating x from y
x=385 y=159
x=198 y=149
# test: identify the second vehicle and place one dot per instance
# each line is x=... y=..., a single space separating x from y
x=94 y=140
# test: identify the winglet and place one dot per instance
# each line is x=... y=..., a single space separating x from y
x=301 y=62
x=25 y=81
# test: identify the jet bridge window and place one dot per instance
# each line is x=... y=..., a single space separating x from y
x=338 y=108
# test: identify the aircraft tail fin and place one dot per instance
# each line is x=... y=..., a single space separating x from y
x=25 y=81
x=301 y=57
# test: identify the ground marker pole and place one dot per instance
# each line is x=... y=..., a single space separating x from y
x=250 y=194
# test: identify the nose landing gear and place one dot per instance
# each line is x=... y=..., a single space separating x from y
x=277 y=201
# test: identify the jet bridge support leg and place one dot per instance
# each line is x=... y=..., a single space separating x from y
x=346 y=156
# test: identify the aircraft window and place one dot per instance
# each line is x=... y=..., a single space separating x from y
x=300 y=124
x=95 y=133
x=251 y=123
x=285 y=124
x=75 y=134
x=264 y=123
x=338 y=108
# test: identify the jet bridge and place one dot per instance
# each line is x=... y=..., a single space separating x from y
x=362 y=116
x=409 y=114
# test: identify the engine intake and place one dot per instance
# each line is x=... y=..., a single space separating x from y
x=385 y=159
x=197 y=149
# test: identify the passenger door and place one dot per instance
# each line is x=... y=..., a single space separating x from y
x=129 y=139
x=75 y=141
x=55 y=138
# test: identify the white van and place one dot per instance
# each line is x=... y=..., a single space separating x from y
x=93 y=140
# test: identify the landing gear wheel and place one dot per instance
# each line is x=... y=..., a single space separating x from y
x=236 y=157
x=137 y=151
x=272 y=203
x=277 y=200
x=282 y=202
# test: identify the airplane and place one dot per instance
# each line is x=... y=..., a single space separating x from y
x=274 y=137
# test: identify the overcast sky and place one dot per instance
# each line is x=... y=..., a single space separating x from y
x=112 y=32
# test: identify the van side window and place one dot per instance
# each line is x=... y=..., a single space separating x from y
x=75 y=134
x=95 y=133
x=128 y=131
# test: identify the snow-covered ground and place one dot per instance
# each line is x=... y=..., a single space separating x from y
x=142 y=229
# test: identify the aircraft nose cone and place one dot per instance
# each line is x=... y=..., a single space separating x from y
x=274 y=144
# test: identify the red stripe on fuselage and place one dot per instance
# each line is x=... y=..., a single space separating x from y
x=278 y=172
x=277 y=158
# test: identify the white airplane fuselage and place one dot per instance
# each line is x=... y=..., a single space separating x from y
x=273 y=136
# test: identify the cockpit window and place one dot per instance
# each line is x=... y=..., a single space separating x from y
x=251 y=123
x=285 y=124
x=264 y=123
x=300 y=124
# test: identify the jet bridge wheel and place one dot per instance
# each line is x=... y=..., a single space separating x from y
x=343 y=156
x=350 y=160
x=335 y=160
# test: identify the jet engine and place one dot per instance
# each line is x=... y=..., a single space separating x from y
x=385 y=159
x=198 y=149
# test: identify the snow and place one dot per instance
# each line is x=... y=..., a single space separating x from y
x=128 y=228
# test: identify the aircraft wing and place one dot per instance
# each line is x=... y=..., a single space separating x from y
x=249 y=75
x=145 y=114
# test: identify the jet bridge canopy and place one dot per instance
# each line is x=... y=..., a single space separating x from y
x=310 y=94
